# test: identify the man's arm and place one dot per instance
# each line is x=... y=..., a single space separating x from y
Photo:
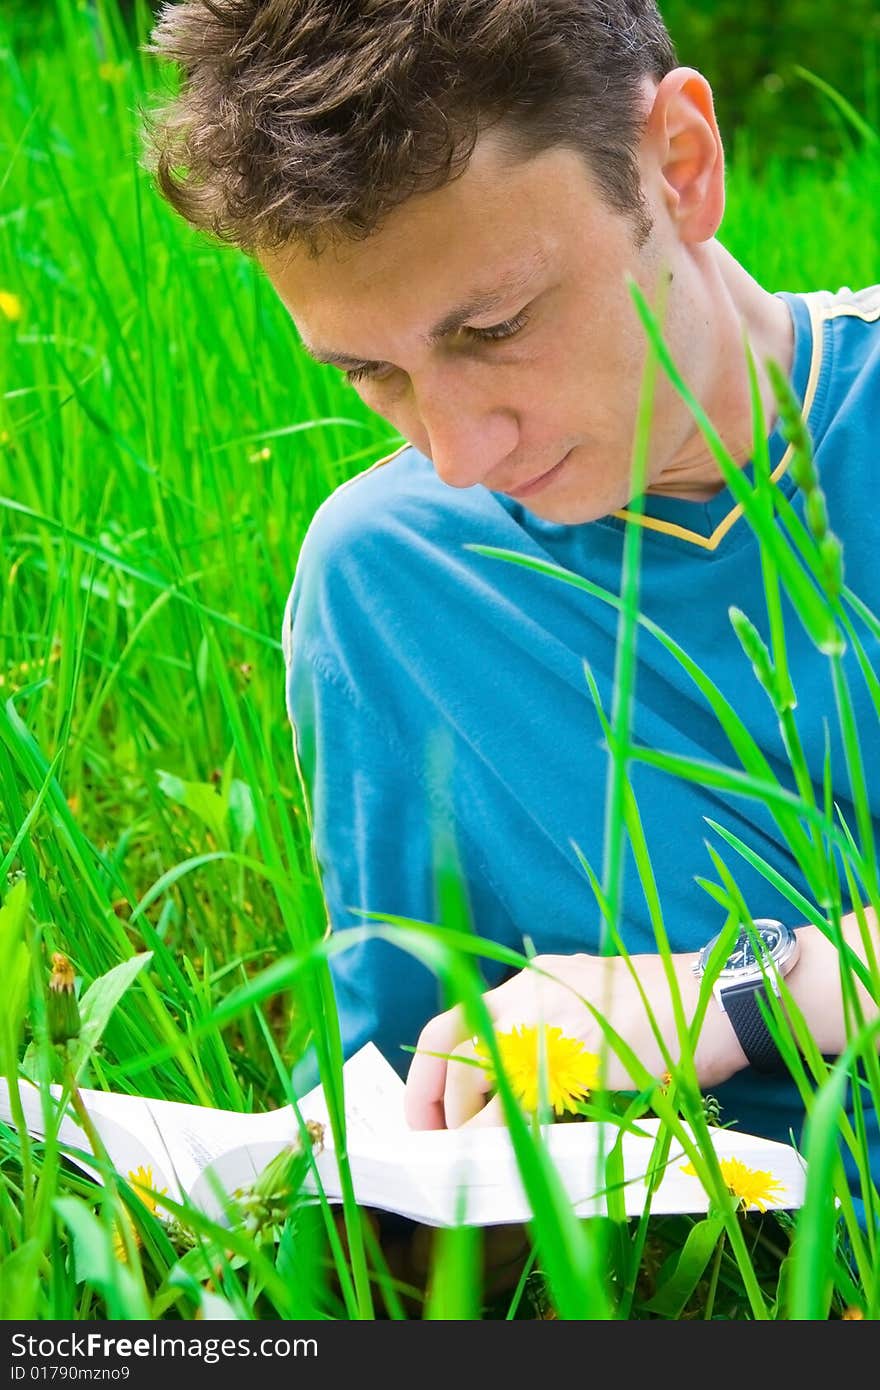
x=815 y=985
x=441 y=1095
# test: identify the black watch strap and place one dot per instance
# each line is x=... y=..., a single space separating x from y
x=741 y=1007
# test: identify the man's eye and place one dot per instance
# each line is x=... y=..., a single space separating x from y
x=494 y=334
x=355 y=374
x=498 y=331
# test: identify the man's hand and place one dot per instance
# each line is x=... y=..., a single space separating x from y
x=441 y=1095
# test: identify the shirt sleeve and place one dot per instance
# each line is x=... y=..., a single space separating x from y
x=371 y=835
x=370 y=846
x=376 y=801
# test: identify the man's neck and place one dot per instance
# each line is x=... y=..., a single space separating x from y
x=740 y=304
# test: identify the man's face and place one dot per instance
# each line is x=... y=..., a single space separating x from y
x=544 y=372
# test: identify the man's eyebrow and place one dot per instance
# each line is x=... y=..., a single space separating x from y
x=336 y=359
x=482 y=301
x=478 y=302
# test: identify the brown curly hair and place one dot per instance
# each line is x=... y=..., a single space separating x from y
x=309 y=120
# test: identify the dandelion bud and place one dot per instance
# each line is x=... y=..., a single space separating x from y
x=281 y=1172
x=275 y=1181
x=63 y=1011
x=268 y=1198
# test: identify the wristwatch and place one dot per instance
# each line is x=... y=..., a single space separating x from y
x=741 y=980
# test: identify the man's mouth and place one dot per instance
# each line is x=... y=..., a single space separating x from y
x=537 y=484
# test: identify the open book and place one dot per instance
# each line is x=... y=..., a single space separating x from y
x=435 y=1177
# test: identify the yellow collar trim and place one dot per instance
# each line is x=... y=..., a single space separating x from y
x=670 y=528
x=373 y=466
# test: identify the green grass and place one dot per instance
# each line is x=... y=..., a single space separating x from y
x=163 y=445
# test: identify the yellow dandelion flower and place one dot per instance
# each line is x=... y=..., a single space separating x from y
x=572 y=1071
x=120 y=1250
x=144 y=1184
x=753 y=1187
x=852 y=1314
x=10 y=306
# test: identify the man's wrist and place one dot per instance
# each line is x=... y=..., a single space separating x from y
x=718 y=1052
x=760 y=957
x=730 y=1053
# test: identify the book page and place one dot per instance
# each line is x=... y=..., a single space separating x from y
x=473 y=1175
x=186 y=1138
x=373 y=1099
x=125 y=1148
x=179 y=1141
x=172 y=1138
x=375 y=1127
x=380 y=1180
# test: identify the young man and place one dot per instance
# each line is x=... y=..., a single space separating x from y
x=450 y=197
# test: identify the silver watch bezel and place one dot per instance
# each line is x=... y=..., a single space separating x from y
x=782 y=956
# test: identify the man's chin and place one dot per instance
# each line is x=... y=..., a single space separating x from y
x=566 y=514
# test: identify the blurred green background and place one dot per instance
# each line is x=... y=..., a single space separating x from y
x=164 y=444
x=748 y=49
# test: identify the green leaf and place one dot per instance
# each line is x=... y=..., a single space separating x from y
x=203 y=799
x=96 y=1264
x=241 y=813
x=14 y=973
x=812 y=1253
x=670 y=1299
x=811 y=1275
x=98 y=1003
x=615 y=1181
x=78 y=541
x=21 y=1289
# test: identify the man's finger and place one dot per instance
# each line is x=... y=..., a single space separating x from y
x=491 y=1114
x=423 y=1099
x=466 y=1086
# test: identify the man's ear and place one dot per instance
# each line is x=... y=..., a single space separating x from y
x=681 y=133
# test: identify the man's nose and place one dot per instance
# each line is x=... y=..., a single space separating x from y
x=468 y=439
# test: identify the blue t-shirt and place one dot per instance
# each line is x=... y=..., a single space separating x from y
x=395 y=631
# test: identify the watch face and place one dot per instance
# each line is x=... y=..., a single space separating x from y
x=777 y=942
x=744 y=956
